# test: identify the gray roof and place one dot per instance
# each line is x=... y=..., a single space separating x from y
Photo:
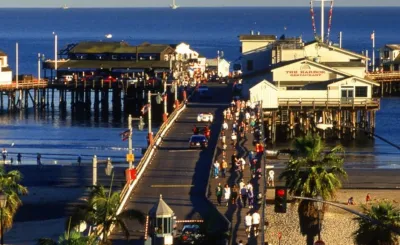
x=161 y=209
x=118 y=47
x=107 y=64
x=393 y=46
x=343 y=64
x=257 y=37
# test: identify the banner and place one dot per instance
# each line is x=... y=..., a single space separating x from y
x=125 y=135
x=145 y=109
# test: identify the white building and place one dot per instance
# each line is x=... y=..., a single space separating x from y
x=5 y=71
x=183 y=52
x=390 y=57
x=218 y=65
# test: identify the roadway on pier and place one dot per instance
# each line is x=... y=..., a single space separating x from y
x=179 y=174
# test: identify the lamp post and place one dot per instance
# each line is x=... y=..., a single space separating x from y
x=55 y=53
x=318 y=205
x=38 y=62
x=158 y=100
x=174 y=90
x=109 y=167
x=3 y=203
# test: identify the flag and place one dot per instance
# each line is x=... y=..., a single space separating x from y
x=373 y=36
x=145 y=109
x=125 y=135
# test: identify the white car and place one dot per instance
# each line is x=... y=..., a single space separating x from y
x=205 y=117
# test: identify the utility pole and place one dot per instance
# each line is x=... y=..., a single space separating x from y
x=16 y=64
x=94 y=179
x=130 y=141
x=165 y=115
x=38 y=67
x=373 y=51
x=366 y=60
x=322 y=20
x=150 y=133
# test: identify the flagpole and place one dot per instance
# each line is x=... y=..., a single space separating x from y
x=366 y=60
x=373 y=51
x=130 y=140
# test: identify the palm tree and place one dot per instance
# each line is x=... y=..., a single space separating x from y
x=312 y=172
x=100 y=210
x=382 y=231
x=11 y=187
x=68 y=238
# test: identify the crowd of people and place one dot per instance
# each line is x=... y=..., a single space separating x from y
x=241 y=119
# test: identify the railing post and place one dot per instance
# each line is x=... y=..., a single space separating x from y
x=94 y=179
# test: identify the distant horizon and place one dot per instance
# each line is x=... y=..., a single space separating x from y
x=180 y=7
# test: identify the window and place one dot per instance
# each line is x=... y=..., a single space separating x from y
x=386 y=54
x=114 y=57
x=250 y=65
x=362 y=91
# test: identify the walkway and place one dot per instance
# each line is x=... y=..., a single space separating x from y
x=236 y=213
x=179 y=174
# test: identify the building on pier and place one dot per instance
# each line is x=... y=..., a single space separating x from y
x=390 y=57
x=311 y=87
x=5 y=71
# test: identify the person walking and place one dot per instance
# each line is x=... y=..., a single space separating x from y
x=223 y=138
x=19 y=159
x=216 y=169
x=225 y=126
x=227 y=194
x=256 y=222
x=248 y=222
x=243 y=195
x=234 y=195
x=250 y=197
x=218 y=192
x=4 y=153
x=38 y=160
x=224 y=166
x=234 y=139
x=79 y=160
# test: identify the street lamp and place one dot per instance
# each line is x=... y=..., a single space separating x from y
x=3 y=203
x=318 y=206
x=130 y=155
x=109 y=167
x=55 y=53
x=174 y=90
x=158 y=100
x=39 y=67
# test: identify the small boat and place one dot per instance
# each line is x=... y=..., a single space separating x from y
x=109 y=36
x=65 y=7
x=173 y=5
x=324 y=126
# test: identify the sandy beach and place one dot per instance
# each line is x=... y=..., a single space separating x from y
x=338 y=225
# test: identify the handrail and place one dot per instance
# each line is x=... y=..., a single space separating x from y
x=327 y=101
x=146 y=158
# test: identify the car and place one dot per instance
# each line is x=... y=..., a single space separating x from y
x=109 y=79
x=191 y=234
x=198 y=141
x=202 y=88
x=66 y=78
x=205 y=117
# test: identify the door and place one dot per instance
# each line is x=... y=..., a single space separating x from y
x=347 y=95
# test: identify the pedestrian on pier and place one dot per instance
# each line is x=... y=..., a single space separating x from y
x=216 y=169
x=227 y=194
x=4 y=153
x=223 y=137
x=234 y=194
x=218 y=192
x=38 y=160
x=248 y=222
x=19 y=158
x=243 y=195
x=79 y=160
x=250 y=197
x=234 y=139
x=225 y=126
x=256 y=222
x=224 y=166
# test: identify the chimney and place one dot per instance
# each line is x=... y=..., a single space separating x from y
x=258 y=33
x=252 y=32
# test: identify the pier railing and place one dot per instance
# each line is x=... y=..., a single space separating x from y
x=323 y=102
x=33 y=84
x=384 y=76
x=149 y=154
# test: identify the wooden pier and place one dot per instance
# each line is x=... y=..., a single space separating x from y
x=83 y=96
x=389 y=82
x=331 y=118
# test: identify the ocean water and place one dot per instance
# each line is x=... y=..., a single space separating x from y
x=207 y=30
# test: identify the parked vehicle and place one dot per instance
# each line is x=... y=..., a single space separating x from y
x=66 y=78
x=109 y=79
x=191 y=234
x=198 y=141
x=205 y=117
